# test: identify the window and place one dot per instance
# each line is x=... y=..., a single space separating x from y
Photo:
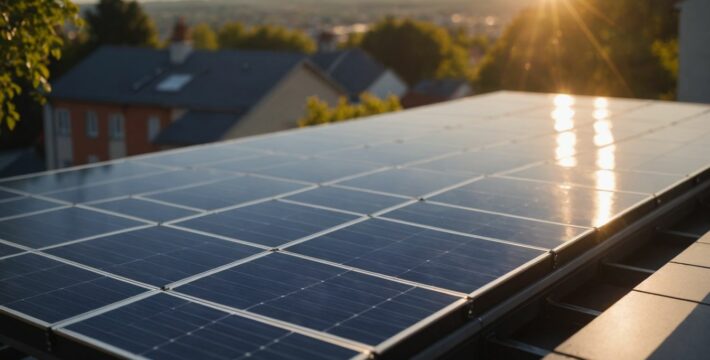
x=92 y=125
x=174 y=82
x=116 y=127
x=153 y=127
x=63 y=122
x=92 y=159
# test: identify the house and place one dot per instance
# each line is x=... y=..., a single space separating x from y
x=357 y=72
x=124 y=101
x=694 y=52
x=436 y=90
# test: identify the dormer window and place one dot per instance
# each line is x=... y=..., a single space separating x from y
x=174 y=82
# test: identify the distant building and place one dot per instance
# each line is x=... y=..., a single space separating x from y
x=436 y=90
x=357 y=72
x=694 y=51
x=327 y=40
x=124 y=101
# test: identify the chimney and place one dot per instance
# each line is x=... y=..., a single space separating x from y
x=180 y=44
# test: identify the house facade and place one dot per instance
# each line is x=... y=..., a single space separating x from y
x=123 y=101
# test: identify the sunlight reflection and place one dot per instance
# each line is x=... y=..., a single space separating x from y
x=566 y=140
x=563 y=100
x=604 y=178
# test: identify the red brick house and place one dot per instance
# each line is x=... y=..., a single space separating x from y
x=124 y=101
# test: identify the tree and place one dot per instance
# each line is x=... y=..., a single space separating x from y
x=29 y=33
x=319 y=112
x=119 y=22
x=264 y=37
x=203 y=37
x=415 y=50
x=601 y=47
x=231 y=35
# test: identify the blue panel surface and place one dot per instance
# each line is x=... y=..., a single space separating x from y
x=250 y=164
x=551 y=202
x=56 y=227
x=468 y=137
x=318 y=170
x=271 y=223
x=6 y=250
x=345 y=199
x=612 y=180
x=436 y=258
x=144 y=209
x=477 y=163
x=409 y=182
x=298 y=144
x=25 y=205
x=322 y=297
x=50 y=290
x=139 y=185
x=7 y=195
x=81 y=177
x=167 y=327
x=156 y=256
x=521 y=231
x=200 y=155
x=393 y=153
x=228 y=192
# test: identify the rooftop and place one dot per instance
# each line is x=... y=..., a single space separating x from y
x=346 y=240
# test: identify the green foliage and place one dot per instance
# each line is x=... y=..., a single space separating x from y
x=29 y=38
x=319 y=112
x=264 y=37
x=415 y=50
x=595 y=47
x=120 y=22
x=203 y=37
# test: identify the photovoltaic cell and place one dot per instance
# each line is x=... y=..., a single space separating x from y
x=408 y=182
x=228 y=192
x=144 y=209
x=393 y=153
x=139 y=185
x=321 y=297
x=551 y=202
x=7 y=250
x=165 y=326
x=477 y=163
x=72 y=178
x=199 y=155
x=50 y=290
x=521 y=231
x=156 y=256
x=436 y=258
x=59 y=226
x=271 y=223
x=250 y=164
x=7 y=195
x=345 y=199
x=318 y=170
x=298 y=144
x=612 y=180
x=25 y=205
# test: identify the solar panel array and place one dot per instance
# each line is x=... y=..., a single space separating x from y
x=332 y=241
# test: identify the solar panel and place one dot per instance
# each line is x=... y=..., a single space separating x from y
x=165 y=326
x=350 y=239
x=321 y=297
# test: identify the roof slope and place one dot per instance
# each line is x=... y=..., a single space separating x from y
x=197 y=127
x=130 y=75
x=353 y=69
x=444 y=88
